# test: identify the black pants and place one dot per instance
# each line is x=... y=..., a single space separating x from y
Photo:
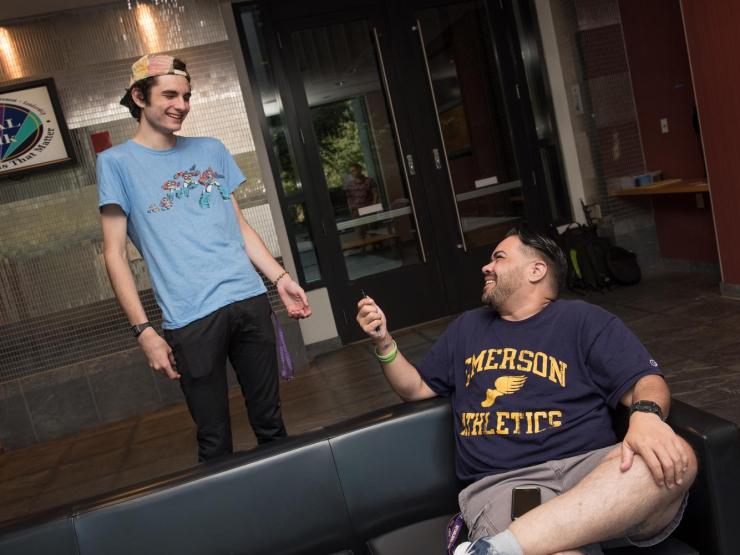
x=243 y=332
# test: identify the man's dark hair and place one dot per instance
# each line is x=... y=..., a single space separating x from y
x=145 y=87
x=545 y=246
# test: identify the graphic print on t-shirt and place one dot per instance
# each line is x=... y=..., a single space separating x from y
x=482 y=366
x=505 y=385
x=183 y=182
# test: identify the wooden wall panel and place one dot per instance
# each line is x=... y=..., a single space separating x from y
x=714 y=51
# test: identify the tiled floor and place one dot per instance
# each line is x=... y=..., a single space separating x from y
x=686 y=325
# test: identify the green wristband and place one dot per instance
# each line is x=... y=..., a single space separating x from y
x=388 y=358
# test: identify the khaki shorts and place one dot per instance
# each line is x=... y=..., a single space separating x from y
x=486 y=504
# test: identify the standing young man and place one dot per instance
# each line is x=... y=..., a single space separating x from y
x=173 y=196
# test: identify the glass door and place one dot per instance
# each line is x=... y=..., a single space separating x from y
x=475 y=139
x=476 y=153
x=374 y=224
x=372 y=209
x=404 y=140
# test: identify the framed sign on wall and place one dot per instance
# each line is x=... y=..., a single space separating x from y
x=33 y=134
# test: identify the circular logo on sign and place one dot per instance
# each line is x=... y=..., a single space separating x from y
x=20 y=131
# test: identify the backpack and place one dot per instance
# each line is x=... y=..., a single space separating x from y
x=586 y=253
x=623 y=267
x=593 y=263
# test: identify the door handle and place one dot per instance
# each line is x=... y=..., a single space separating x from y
x=410 y=164
x=435 y=152
x=437 y=159
x=386 y=89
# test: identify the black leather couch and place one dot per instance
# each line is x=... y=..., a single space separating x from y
x=383 y=484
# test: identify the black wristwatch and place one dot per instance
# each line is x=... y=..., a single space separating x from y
x=138 y=328
x=647 y=406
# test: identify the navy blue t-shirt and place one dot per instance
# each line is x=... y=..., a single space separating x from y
x=534 y=390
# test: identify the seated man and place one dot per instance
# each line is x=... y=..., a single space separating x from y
x=531 y=381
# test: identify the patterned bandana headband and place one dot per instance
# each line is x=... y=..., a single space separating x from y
x=152 y=65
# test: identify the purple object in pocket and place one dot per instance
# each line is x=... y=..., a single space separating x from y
x=285 y=363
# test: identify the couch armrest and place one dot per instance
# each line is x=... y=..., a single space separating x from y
x=714 y=500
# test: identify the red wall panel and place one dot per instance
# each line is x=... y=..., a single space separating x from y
x=714 y=47
x=661 y=82
x=606 y=72
x=685 y=231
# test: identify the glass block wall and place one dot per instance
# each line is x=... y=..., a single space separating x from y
x=56 y=304
x=597 y=74
x=615 y=135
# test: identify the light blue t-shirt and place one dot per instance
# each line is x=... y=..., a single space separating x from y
x=181 y=218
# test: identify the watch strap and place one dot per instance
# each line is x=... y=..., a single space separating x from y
x=647 y=406
x=137 y=329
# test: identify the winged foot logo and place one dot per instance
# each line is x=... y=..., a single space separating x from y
x=505 y=385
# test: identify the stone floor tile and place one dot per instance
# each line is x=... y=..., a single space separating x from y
x=728 y=409
x=707 y=309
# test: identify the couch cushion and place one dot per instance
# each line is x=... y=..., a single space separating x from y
x=427 y=537
x=285 y=503
x=56 y=536
x=399 y=468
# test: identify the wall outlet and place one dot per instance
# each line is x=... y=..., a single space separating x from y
x=664 y=125
x=595 y=211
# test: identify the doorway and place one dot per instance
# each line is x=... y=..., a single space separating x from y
x=404 y=139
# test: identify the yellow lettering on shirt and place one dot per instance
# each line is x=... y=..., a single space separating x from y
x=501 y=428
x=477 y=429
x=525 y=360
x=557 y=371
x=540 y=365
x=476 y=363
x=476 y=424
x=517 y=416
x=537 y=416
x=507 y=361
x=489 y=361
x=464 y=421
x=551 y=418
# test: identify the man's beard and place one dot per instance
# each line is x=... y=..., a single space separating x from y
x=504 y=287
